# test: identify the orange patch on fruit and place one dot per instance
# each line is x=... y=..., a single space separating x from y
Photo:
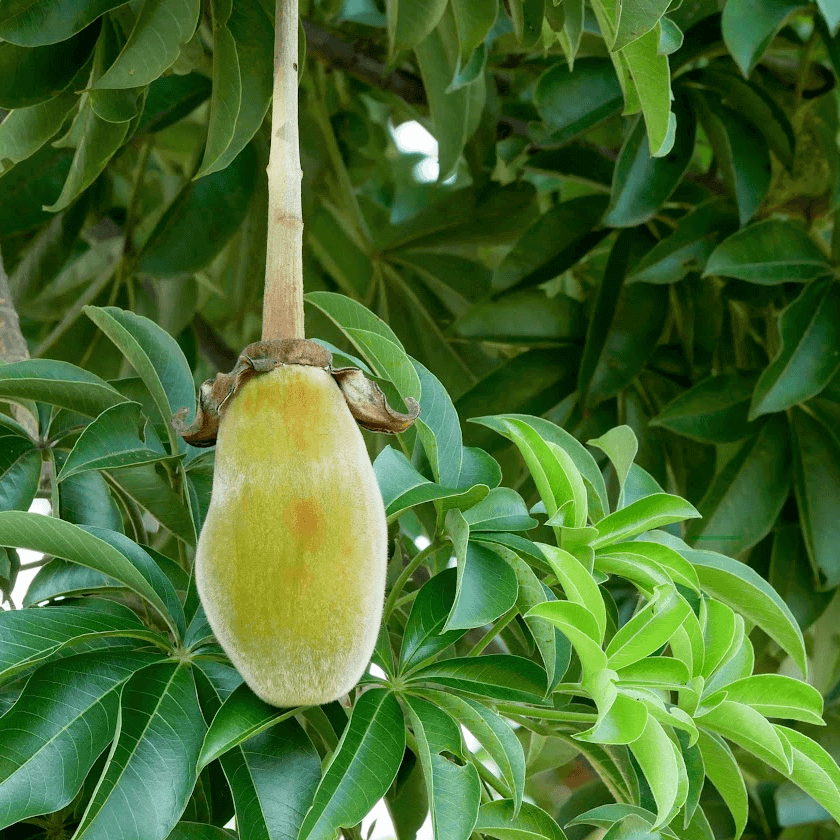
x=305 y=522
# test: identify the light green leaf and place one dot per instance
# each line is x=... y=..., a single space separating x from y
x=777 y=696
x=410 y=21
x=814 y=770
x=499 y=819
x=725 y=774
x=643 y=515
x=749 y=26
x=620 y=445
x=660 y=762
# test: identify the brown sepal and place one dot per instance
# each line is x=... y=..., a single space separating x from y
x=365 y=399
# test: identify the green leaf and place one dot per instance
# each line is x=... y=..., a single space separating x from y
x=241 y=716
x=750 y=730
x=637 y=18
x=63 y=719
x=649 y=629
x=144 y=485
x=410 y=21
x=777 y=696
x=272 y=776
x=455 y=113
x=214 y=205
x=816 y=464
x=493 y=733
x=98 y=142
x=622 y=723
x=660 y=762
x=814 y=770
x=57 y=383
x=161 y=28
x=712 y=411
x=526 y=317
x=32 y=76
x=499 y=819
x=809 y=352
x=20 y=472
x=423 y=637
x=402 y=487
x=578 y=584
x=688 y=247
x=348 y=314
x=251 y=31
x=31 y=636
x=454 y=791
x=26 y=130
x=502 y=510
x=725 y=774
x=570 y=103
x=625 y=326
x=734 y=517
x=527 y=17
x=62 y=539
x=580 y=628
x=552 y=244
x=473 y=21
x=362 y=767
x=151 y=767
x=500 y=676
x=738 y=586
x=742 y=154
x=389 y=359
x=170 y=98
x=749 y=26
x=114 y=439
x=643 y=515
x=155 y=355
x=641 y=183
x=583 y=461
x=199 y=831
x=768 y=252
x=655 y=559
x=620 y=445
x=24 y=23
x=30 y=185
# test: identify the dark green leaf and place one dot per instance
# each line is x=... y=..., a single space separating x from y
x=410 y=21
x=61 y=539
x=712 y=411
x=114 y=439
x=31 y=636
x=199 y=831
x=687 y=248
x=641 y=183
x=816 y=461
x=555 y=241
x=20 y=472
x=734 y=516
x=768 y=252
x=570 y=103
x=29 y=76
x=151 y=768
x=215 y=206
x=809 y=353
x=499 y=676
x=65 y=717
x=170 y=98
x=749 y=27
x=499 y=819
x=362 y=768
x=26 y=23
x=423 y=637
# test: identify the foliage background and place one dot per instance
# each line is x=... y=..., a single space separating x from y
x=556 y=269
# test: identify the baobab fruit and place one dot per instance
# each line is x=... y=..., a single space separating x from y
x=290 y=564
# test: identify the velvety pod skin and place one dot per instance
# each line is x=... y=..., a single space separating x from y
x=291 y=561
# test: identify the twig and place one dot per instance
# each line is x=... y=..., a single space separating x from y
x=283 y=300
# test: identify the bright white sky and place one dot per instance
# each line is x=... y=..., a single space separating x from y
x=411 y=137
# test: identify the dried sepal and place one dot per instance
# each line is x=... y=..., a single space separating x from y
x=365 y=399
x=369 y=406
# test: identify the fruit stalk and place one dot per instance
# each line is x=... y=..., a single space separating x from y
x=283 y=298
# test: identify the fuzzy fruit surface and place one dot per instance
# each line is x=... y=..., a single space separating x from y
x=290 y=565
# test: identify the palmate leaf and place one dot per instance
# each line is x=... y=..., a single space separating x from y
x=273 y=775
x=151 y=767
x=362 y=767
x=66 y=715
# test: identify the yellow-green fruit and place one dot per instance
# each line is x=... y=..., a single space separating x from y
x=290 y=565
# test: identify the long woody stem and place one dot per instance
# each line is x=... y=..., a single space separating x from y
x=283 y=300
